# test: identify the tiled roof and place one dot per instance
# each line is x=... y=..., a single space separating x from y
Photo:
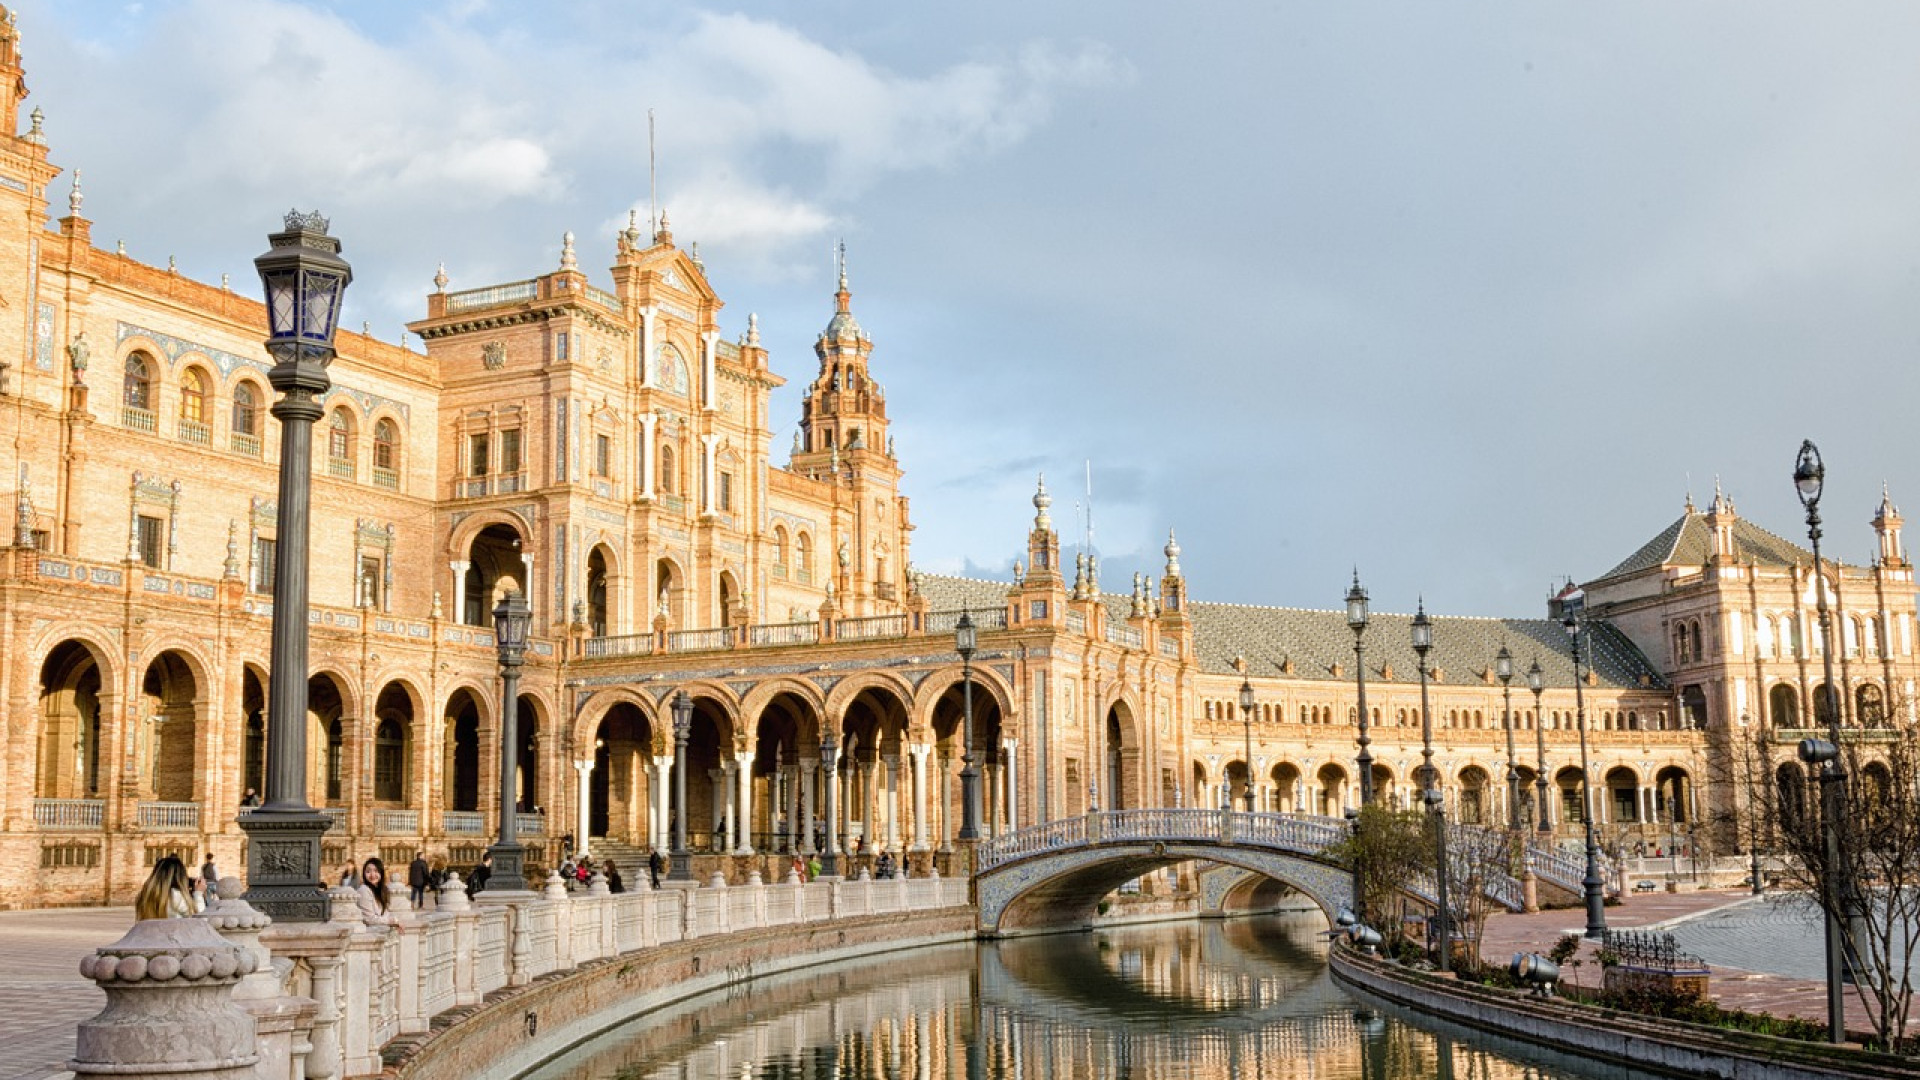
x=1463 y=646
x=1688 y=542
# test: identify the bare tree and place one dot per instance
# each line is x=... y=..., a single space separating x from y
x=1875 y=884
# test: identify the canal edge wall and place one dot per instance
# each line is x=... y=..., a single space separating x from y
x=1667 y=1047
x=516 y=1029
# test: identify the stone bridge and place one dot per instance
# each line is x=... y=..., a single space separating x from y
x=1053 y=876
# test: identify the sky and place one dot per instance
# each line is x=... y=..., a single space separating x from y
x=1469 y=296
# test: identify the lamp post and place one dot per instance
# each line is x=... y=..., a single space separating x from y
x=1809 y=476
x=511 y=618
x=1543 y=817
x=1246 y=719
x=1503 y=668
x=1592 y=883
x=1753 y=811
x=1357 y=622
x=965 y=640
x=304 y=277
x=680 y=864
x=830 y=762
x=1430 y=785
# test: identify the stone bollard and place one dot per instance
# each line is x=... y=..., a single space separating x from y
x=399 y=901
x=283 y=1023
x=170 y=1009
x=556 y=888
x=240 y=923
x=717 y=881
x=453 y=894
x=754 y=877
x=597 y=885
x=793 y=876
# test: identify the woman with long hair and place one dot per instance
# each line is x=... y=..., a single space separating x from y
x=372 y=893
x=169 y=893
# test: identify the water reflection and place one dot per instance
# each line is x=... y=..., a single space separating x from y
x=1245 y=999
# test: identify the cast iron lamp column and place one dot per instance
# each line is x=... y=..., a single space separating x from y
x=1246 y=718
x=965 y=639
x=1753 y=810
x=1809 y=476
x=1592 y=884
x=1435 y=800
x=1503 y=668
x=1357 y=622
x=510 y=621
x=304 y=277
x=1543 y=815
x=830 y=762
x=680 y=862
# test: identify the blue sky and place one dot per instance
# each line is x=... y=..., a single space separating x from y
x=1469 y=295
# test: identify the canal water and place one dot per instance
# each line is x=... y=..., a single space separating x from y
x=1241 y=999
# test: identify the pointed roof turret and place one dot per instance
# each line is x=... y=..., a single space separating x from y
x=843 y=326
x=1887 y=511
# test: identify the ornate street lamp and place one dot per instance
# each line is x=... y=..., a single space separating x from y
x=1430 y=792
x=304 y=277
x=511 y=619
x=965 y=640
x=1537 y=682
x=1592 y=884
x=830 y=762
x=1503 y=669
x=681 y=861
x=1357 y=622
x=1246 y=718
x=1809 y=476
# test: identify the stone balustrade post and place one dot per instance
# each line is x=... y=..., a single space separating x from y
x=359 y=1015
x=411 y=937
x=466 y=935
x=283 y=1023
x=170 y=1009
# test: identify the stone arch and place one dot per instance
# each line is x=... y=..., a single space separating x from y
x=921 y=704
x=603 y=702
x=464 y=715
x=1285 y=777
x=397 y=739
x=1060 y=890
x=626 y=733
x=1124 y=778
x=1622 y=785
x=495 y=563
x=76 y=688
x=756 y=700
x=1474 y=796
x=460 y=538
x=600 y=599
x=170 y=705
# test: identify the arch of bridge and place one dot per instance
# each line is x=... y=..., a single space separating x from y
x=1064 y=885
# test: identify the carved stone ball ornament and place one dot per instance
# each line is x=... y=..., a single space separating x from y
x=169 y=986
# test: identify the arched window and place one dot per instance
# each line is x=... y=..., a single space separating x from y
x=386 y=445
x=193 y=396
x=803 y=558
x=246 y=409
x=667 y=470
x=390 y=761
x=1868 y=705
x=340 y=444
x=780 y=552
x=137 y=385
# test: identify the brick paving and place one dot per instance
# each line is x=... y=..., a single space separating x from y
x=1725 y=927
x=42 y=996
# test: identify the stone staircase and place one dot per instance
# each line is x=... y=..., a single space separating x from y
x=631 y=860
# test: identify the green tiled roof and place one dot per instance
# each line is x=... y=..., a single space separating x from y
x=1688 y=542
x=1268 y=637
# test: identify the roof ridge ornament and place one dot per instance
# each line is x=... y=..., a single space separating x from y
x=1041 y=502
x=74 y=198
x=567 y=259
x=440 y=278
x=296 y=221
x=1172 y=551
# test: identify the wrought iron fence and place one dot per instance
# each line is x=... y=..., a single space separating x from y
x=1649 y=951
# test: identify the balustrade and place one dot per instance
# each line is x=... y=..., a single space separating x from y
x=396 y=822
x=871 y=628
x=69 y=813
x=624 y=645
x=681 y=641
x=463 y=823
x=170 y=816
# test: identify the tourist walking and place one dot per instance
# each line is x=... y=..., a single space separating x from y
x=655 y=864
x=210 y=876
x=418 y=876
x=480 y=875
x=169 y=893
x=372 y=894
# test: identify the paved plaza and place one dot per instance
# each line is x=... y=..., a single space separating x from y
x=42 y=996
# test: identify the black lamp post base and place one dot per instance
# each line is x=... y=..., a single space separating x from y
x=680 y=866
x=284 y=877
x=509 y=868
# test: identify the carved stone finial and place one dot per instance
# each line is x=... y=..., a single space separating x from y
x=632 y=235
x=226 y=283
x=1172 y=551
x=663 y=234
x=753 y=328
x=74 y=198
x=37 y=132
x=693 y=256
x=567 y=259
x=172 y=266
x=232 y=567
x=437 y=613
x=440 y=279
x=23 y=511
x=1041 y=502
x=120 y=248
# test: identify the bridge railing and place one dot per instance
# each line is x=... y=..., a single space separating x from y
x=1292 y=832
x=1033 y=840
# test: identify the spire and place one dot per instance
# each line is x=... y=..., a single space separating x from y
x=567 y=259
x=440 y=278
x=843 y=326
x=1173 y=556
x=1886 y=525
x=74 y=198
x=693 y=256
x=843 y=276
x=1041 y=501
x=1887 y=510
x=663 y=234
x=1721 y=505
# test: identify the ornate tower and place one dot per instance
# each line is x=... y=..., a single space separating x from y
x=845 y=412
x=1886 y=525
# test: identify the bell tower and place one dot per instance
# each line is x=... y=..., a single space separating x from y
x=844 y=415
x=1886 y=525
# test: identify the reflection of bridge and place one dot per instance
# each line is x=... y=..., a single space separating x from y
x=1052 y=876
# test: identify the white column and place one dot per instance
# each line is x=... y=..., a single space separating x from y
x=459 y=567
x=892 y=803
x=585 y=769
x=646 y=347
x=946 y=800
x=708 y=349
x=1649 y=805
x=743 y=814
x=707 y=470
x=918 y=751
x=662 y=774
x=1010 y=753
x=645 y=466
